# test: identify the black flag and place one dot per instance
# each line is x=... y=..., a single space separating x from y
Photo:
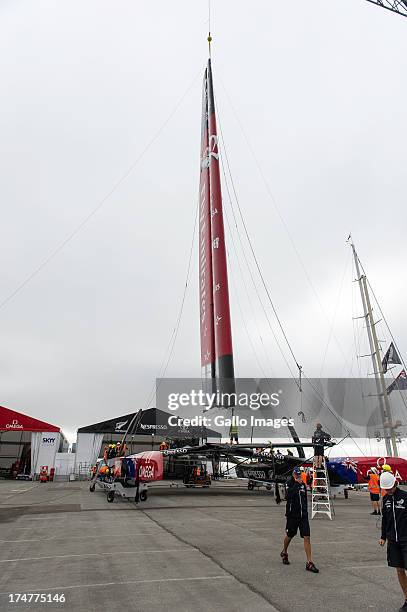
x=400 y=383
x=390 y=357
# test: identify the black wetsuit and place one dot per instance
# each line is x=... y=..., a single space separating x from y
x=297 y=510
x=394 y=528
x=318 y=440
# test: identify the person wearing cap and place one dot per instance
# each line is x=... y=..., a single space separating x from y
x=297 y=518
x=394 y=529
x=319 y=439
x=387 y=468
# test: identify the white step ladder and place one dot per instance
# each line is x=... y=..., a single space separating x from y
x=321 y=503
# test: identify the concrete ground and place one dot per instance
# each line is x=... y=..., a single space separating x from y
x=193 y=550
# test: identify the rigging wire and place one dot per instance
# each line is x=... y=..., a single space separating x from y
x=385 y=320
x=316 y=391
x=163 y=369
x=209 y=39
x=388 y=329
x=101 y=202
x=237 y=295
x=321 y=398
x=334 y=314
x=244 y=254
x=259 y=270
x=271 y=195
x=257 y=263
x=357 y=340
x=266 y=378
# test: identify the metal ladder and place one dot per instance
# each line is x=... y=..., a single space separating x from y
x=321 y=504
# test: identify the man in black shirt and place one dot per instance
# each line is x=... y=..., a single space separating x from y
x=297 y=517
x=394 y=529
x=319 y=439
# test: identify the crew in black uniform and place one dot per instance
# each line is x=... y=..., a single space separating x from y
x=297 y=517
x=319 y=440
x=394 y=529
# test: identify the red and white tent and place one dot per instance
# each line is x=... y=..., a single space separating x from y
x=10 y=420
x=45 y=438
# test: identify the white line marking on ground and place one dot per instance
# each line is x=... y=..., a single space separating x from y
x=315 y=541
x=108 y=584
x=383 y=566
x=256 y=528
x=18 y=491
x=88 y=527
x=103 y=536
x=40 y=518
x=119 y=553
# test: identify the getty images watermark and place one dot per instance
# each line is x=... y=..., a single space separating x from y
x=266 y=408
x=200 y=398
x=203 y=401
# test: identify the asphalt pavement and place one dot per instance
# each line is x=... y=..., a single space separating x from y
x=192 y=550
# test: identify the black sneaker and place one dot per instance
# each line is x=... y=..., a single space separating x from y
x=310 y=567
x=373 y=512
x=284 y=557
x=403 y=608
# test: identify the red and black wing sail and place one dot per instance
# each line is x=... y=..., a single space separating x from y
x=205 y=249
x=216 y=331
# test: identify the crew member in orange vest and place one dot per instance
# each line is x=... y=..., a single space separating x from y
x=374 y=489
x=304 y=476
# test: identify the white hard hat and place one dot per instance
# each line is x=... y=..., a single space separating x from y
x=387 y=480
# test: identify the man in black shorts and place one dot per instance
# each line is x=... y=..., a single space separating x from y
x=394 y=529
x=297 y=517
x=319 y=440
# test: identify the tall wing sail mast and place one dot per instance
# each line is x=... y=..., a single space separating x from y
x=205 y=249
x=216 y=332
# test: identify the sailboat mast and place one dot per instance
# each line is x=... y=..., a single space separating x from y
x=216 y=332
x=221 y=307
x=385 y=410
x=205 y=251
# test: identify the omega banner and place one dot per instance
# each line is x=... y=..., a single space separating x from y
x=10 y=420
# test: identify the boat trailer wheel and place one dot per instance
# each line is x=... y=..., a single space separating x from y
x=110 y=496
x=250 y=486
x=143 y=496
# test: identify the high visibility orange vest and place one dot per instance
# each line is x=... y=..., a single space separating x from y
x=374 y=483
x=304 y=478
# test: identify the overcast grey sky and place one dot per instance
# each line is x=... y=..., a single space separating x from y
x=319 y=90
